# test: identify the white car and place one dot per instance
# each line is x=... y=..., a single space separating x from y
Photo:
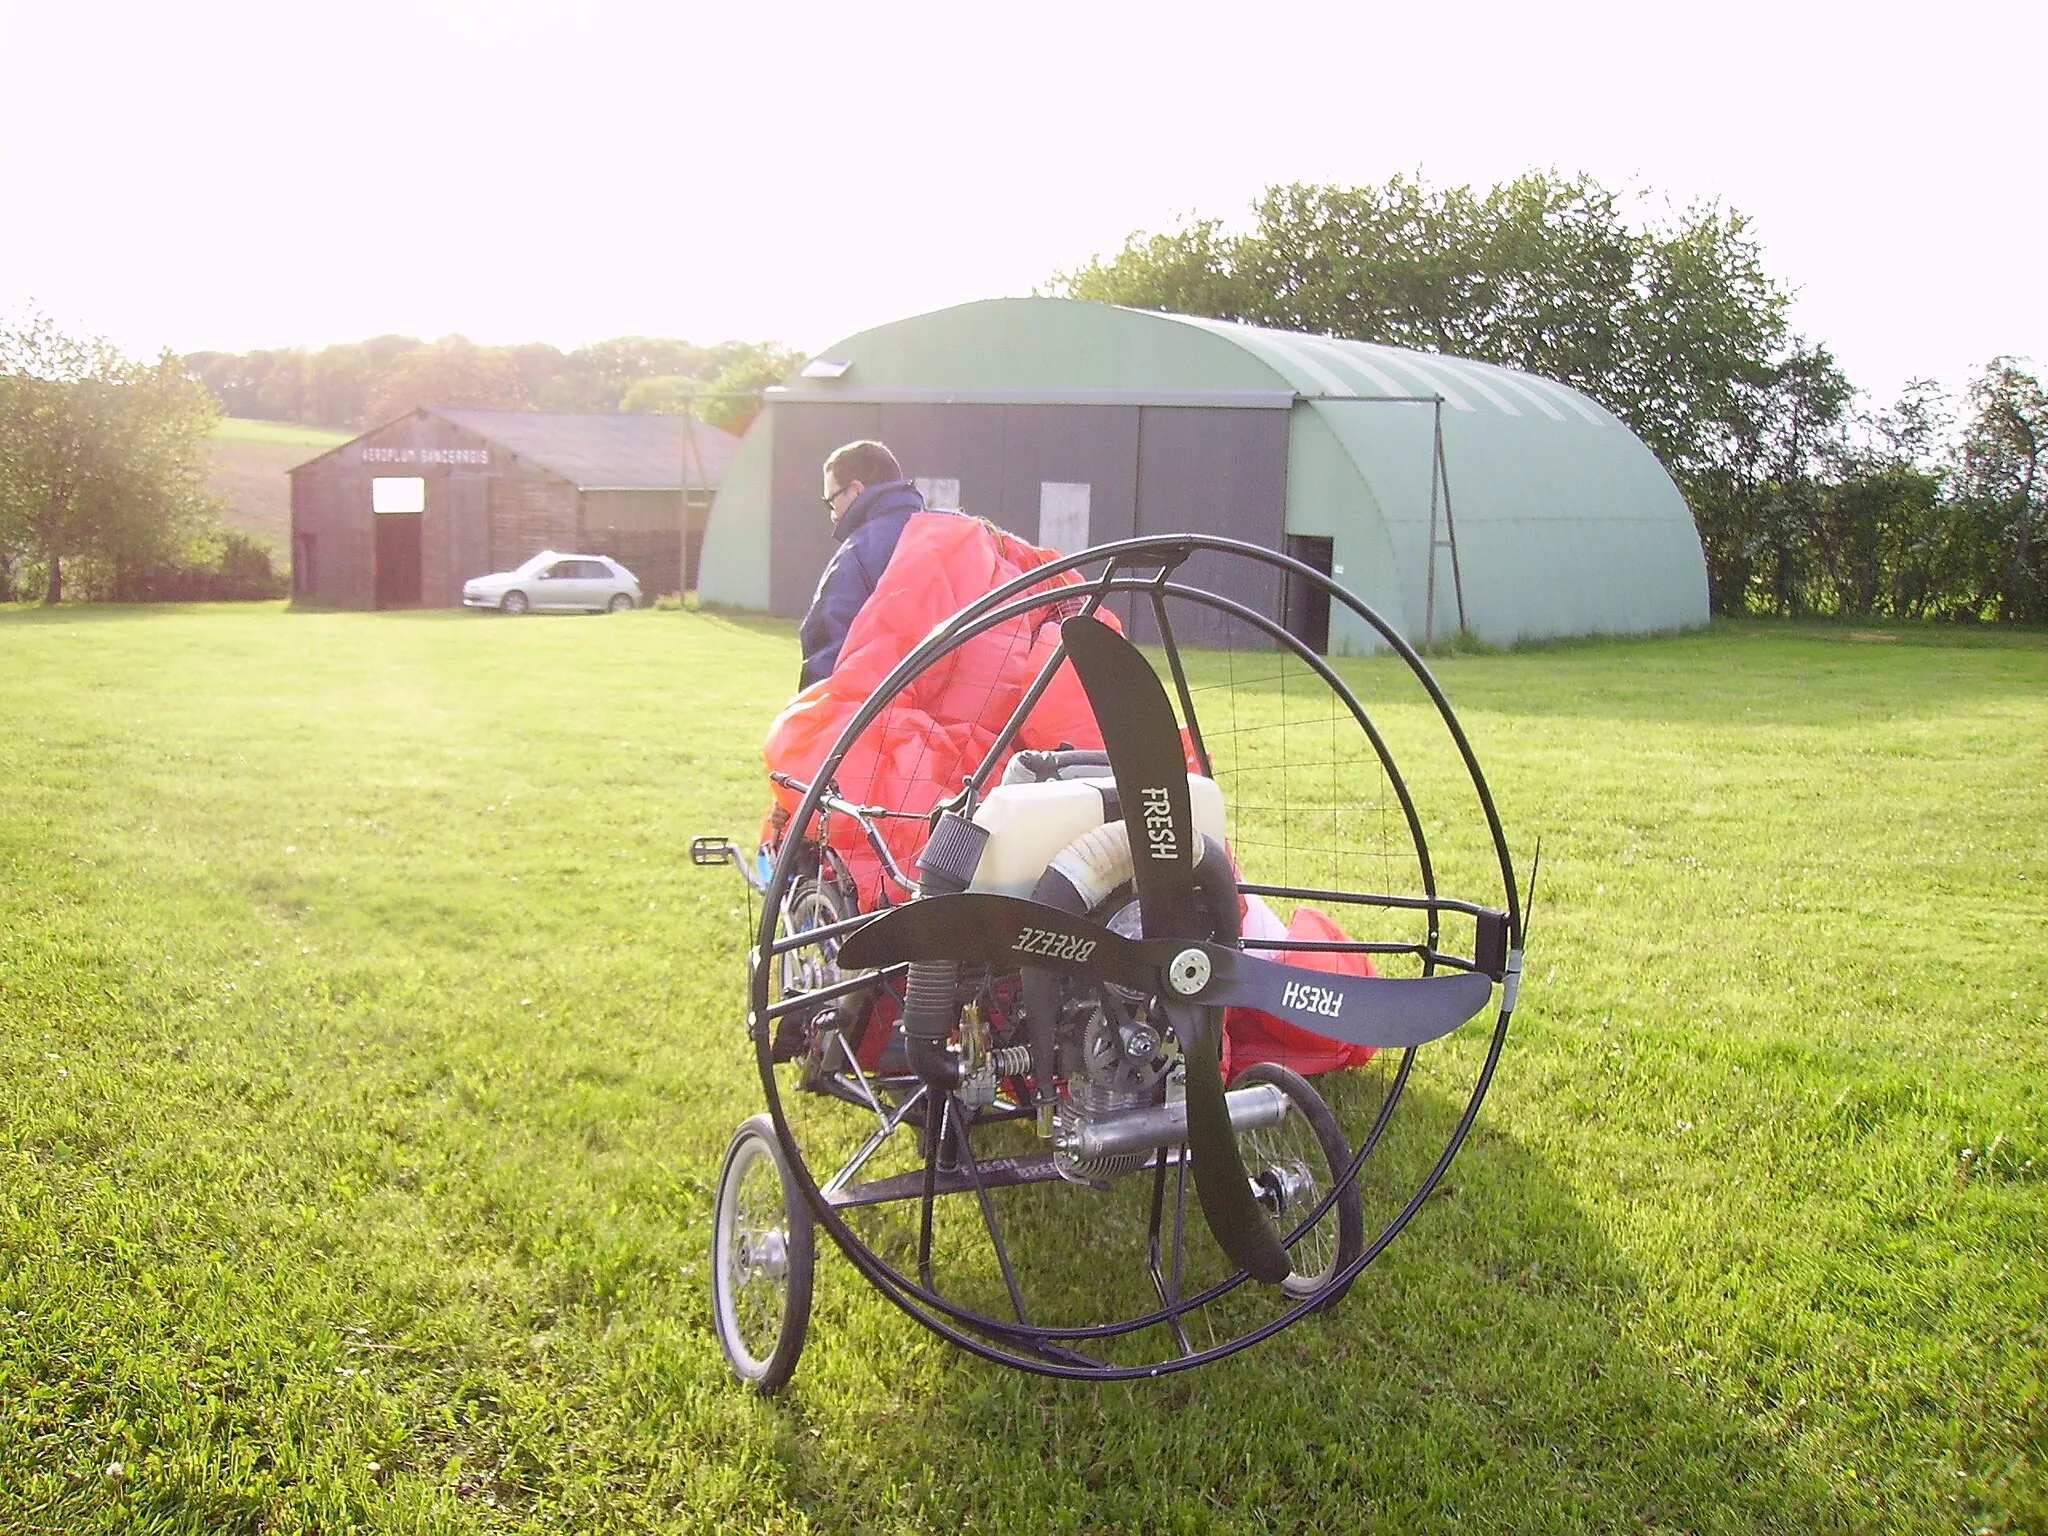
x=553 y=580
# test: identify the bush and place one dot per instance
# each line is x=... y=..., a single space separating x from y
x=239 y=572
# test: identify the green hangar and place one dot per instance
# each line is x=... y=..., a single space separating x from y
x=1447 y=494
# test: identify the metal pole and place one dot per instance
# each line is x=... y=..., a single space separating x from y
x=1436 y=459
x=691 y=451
x=1443 y=470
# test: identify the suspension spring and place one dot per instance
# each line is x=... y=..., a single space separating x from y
x=1011 y=1061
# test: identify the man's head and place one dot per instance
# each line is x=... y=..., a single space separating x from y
x=852 y=469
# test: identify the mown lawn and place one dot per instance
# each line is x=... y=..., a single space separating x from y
x=368 y=1044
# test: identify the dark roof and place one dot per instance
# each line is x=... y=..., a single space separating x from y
x=607 y=451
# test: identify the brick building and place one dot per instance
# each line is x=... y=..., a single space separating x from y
x=402 y=516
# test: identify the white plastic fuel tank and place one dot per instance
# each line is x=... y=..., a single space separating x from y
x=1028 y=824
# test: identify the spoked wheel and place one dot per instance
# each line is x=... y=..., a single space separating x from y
x=762 y=1250
x=1293 y=854
x=513 y=603
x=621 y=602
x=1292 y=1166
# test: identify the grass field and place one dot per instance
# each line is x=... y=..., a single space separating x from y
x=367 y=1047
x=251 y=464
x=289 y=434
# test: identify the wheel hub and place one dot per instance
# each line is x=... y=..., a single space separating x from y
x=762 y=1254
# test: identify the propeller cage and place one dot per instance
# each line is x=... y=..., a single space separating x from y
x=1092 y=1010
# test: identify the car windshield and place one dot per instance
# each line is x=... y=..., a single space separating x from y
x=545 y=558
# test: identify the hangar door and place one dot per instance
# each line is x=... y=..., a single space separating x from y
x=1066 y=476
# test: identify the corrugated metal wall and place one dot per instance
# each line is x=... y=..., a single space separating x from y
x=1147 y=469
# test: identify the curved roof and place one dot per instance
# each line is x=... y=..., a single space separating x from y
x=1360 y=370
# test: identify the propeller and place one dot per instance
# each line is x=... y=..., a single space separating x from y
x=981 y=928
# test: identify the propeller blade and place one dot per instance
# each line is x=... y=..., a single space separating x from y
x=1392 y=1012
x=980 y=928
x=1236 y=1219
x=1151 y=773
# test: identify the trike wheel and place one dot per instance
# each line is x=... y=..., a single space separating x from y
x=762 y=1249
x=814 y=901
x=1293 y=1165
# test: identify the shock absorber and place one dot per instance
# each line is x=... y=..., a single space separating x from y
x=1010 y=1061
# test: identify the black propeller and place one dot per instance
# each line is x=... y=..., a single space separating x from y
x=1150 y=767
x=977 y=928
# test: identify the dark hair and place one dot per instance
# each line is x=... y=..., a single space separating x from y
x=868 y=462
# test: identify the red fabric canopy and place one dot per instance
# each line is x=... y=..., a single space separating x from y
x=937 y=730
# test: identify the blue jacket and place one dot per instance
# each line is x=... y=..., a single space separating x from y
x=867 y=533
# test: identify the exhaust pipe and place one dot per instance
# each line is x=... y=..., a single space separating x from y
x=1166 y=1125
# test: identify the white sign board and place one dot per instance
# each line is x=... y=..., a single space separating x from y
x=939 y=494
x=1063 y=515
x=398 y=493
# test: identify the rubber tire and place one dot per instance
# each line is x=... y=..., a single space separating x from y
x=1336 y=1149
x=512 y=603
x=754 y=1139
x=621 y=601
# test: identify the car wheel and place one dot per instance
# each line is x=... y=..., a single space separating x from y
x=513 y=603
x=621 y=602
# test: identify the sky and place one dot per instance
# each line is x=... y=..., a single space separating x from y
x=232 y=176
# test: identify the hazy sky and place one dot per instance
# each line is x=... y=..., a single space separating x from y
x=240 y=175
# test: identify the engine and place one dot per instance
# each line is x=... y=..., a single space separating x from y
x=1053 y=831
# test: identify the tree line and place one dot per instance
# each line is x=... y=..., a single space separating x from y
x=103 y=464
x=364 y=383
x=1806 y=501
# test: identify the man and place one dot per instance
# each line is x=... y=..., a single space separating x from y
x=869 y=502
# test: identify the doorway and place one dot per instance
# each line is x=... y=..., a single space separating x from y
x=398 y=560
x=1304 y=606
x=397 y=505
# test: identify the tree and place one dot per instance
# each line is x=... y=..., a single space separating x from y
x=451 y=371
x=2002 y=469
x=1883 y=535
x=735 y=390
x=367 y=383
x=102 y=460
x=730 y=400
x=1756 y=483
x=1663 y=325
x=1191 y=271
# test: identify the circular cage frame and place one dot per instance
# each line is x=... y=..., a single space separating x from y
x=1141 y=568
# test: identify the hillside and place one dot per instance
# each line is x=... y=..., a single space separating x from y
x=251 y=463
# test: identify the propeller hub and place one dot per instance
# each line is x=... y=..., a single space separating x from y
x=1188 y=972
